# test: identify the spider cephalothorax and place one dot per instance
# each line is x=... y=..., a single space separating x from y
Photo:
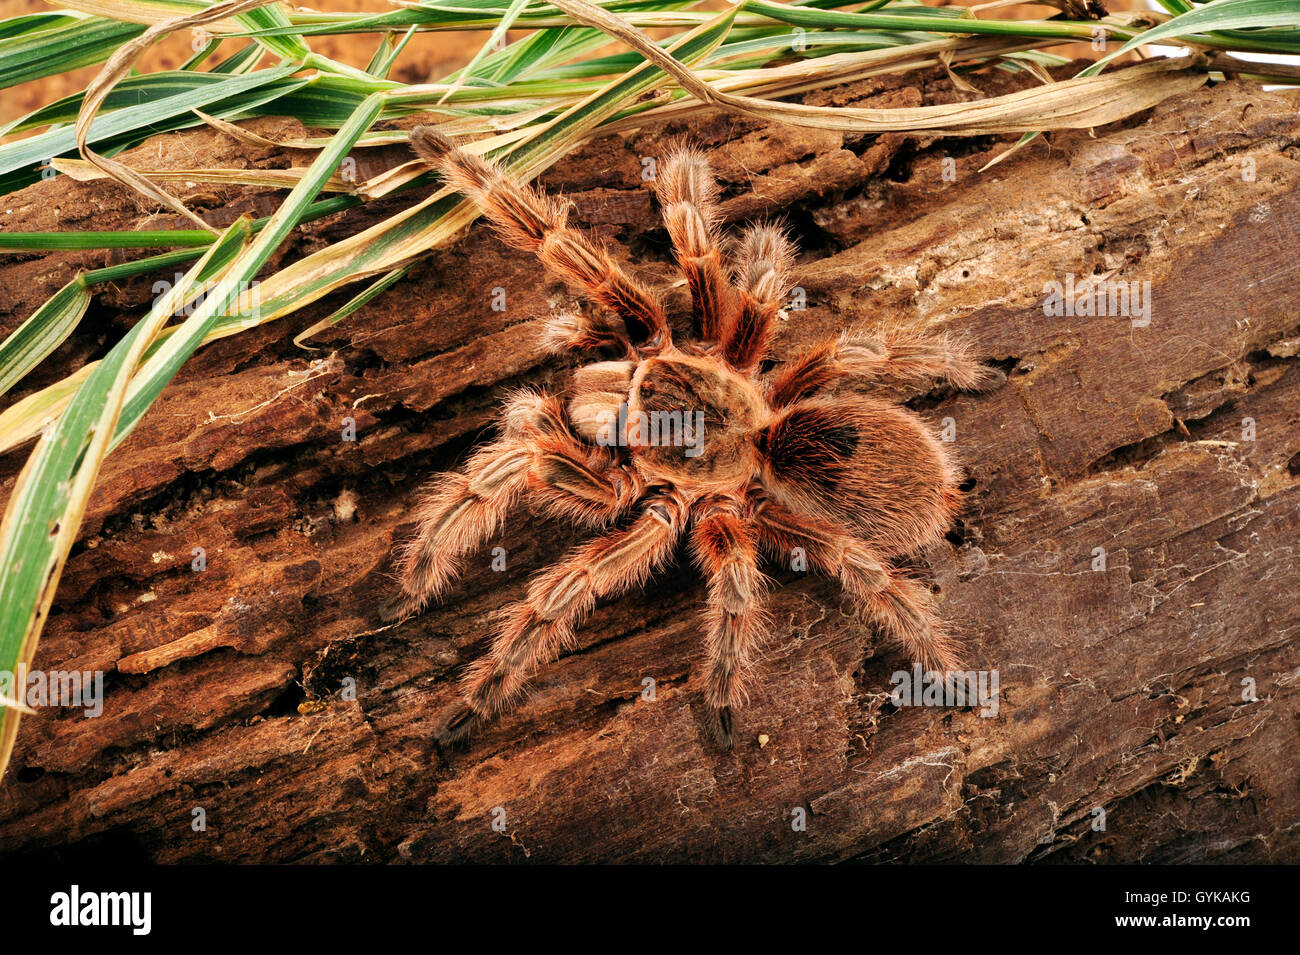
x=676 y=438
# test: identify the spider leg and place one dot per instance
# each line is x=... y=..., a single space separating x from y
x=899 y=605
x=688 y=194
x=580 y=485
x=540 y=626
x=896 y=354
x=763 y=262
x=456 y=515
x=726 y=548
x=538 y=454
x=575 y=331
x=532 y=222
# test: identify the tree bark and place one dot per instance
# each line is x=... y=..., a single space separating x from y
x=1127 y=563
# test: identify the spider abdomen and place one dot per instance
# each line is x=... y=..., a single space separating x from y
x=870 y=466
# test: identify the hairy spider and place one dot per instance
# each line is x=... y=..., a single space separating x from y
x=784 y=461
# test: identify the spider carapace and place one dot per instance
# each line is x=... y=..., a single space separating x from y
x=657 y=440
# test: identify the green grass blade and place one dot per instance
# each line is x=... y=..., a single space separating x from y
x=353 y=304
x=390 y=48
x=70 y=241
x=160 y=367
x=142 y=119
x=289 y=46
x=48 y=502
x=1217 y=16
x=43 y=332
x=132 y=91
x=240 y=62
x=35 y=47
x=490 y=45
x=50 y=496
x=58 y=309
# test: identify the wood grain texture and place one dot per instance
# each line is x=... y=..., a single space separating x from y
x=1121 y=689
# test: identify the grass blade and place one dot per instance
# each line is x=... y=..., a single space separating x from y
x=1216 y=16
x=43 y=332
x=50 y=496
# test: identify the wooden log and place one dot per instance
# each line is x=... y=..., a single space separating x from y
x=1128 y=564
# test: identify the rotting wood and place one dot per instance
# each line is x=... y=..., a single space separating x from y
x=1124 y=689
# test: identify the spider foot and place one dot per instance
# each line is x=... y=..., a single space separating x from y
x=455 y=725
x=430 y=144
x=720 y=722
x=989 y=378
x=398 y=608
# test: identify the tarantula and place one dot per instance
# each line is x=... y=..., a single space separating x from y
x=853 y=481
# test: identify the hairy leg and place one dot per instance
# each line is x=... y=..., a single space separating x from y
x=688 y=194
x=763 y=262
x=590 y=490
x=896 y=354
x=455 y=515
x=726 y=548
x=532 y=222
x=461 y=510
x=540 y=626
x=575 y=331
x=899 y=605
